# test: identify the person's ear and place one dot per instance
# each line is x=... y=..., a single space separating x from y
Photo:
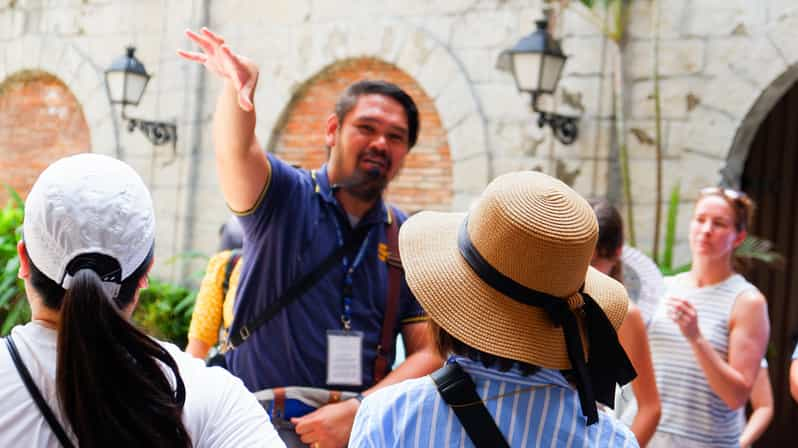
x=331 y=130
x=144 y=281
x=618 y=252
x=24 y=262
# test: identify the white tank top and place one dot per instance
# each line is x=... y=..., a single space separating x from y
x=690 y=408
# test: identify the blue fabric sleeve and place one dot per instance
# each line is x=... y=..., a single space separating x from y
x=281 y=189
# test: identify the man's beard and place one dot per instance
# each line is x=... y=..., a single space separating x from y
x=365 y=185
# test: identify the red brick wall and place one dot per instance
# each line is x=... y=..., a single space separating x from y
x=40 y=122
x=426 y=179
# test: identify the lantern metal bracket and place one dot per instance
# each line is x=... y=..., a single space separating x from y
x=564 y=127
x=157 y=132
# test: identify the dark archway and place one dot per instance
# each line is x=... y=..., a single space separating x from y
x=770 y=177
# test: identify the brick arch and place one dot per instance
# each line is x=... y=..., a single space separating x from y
x=76 y=69
x=425 y=182
x=40 y=121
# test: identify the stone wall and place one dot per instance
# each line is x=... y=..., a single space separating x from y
x=723 y=64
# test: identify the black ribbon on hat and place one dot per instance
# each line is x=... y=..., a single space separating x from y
x=607 y=363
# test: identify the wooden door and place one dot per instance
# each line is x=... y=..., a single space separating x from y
x=771 y=179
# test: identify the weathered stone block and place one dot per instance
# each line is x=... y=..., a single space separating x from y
x=782 y=34
x=477 y=29
x=753 y=59
x=676 y=58
x=674 y=95
x=467 y=139
x=503 y=101
x=12 y=24
x=585 y=55
x=439 y=70
x=415 y=51
x=455 y=103
x=710 y=132
x=471 y=175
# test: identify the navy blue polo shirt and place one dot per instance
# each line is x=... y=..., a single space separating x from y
x=287 y=234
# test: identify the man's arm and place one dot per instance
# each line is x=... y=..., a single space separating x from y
x=422 y=358
x=241 y=162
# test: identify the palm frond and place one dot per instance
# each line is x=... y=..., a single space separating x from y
x=756 y=248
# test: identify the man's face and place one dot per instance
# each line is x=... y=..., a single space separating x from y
x=369 y=146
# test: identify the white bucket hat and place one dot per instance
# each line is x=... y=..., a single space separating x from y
x=88 y=204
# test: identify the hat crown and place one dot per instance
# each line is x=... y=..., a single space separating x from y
x=536 y=230
x=88 y=203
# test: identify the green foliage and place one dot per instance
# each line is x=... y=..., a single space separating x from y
x=755 y=248
x=14 y=307
x=164 y=311
x=666 y=262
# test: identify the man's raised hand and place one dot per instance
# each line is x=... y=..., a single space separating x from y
x=219 y=59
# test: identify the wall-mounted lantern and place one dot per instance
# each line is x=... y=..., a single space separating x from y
x=536 y=63
x=125 y=81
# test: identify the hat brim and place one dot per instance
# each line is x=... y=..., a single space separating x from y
x=467 y=308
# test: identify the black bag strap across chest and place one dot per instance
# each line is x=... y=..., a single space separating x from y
x=459 y=391
x=44 y=408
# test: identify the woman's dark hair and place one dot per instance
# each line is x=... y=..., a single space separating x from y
x=610 y=236
x=447 y=344
x=109 y=376
x=349 y=98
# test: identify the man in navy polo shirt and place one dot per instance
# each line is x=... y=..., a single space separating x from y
x=293 y=220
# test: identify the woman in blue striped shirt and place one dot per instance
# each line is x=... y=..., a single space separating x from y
x=709 y=335
x=507 y=289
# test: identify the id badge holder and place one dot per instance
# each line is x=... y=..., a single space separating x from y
x=344 y=358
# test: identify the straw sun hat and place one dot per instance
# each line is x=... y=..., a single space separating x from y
x=527 y=231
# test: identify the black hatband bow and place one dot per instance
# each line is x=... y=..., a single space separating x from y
x=607 y=363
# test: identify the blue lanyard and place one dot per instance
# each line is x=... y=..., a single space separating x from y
x=349 y=269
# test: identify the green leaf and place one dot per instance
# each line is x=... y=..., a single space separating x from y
x=19 y=314
x=670 y=228
x=757 y=248
x=18 y=202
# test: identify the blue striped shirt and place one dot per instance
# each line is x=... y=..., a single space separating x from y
x=541 y=410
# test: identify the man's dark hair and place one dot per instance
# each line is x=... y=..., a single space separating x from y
x=349 y=98
x=447 y=344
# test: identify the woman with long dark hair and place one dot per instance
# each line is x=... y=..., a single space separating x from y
x=709 y=336
x=80 y=373
x=644 y=411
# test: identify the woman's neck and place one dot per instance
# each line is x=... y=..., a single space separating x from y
x=707 y=272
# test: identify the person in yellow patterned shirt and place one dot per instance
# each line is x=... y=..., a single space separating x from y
x=211 y=309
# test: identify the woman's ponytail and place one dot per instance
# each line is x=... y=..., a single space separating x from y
x=110 y=376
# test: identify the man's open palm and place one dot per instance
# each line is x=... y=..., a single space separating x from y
x=219 y=59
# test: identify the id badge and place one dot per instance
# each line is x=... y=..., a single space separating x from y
x=344 y=358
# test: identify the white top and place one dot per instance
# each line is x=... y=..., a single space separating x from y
x=219 y=411
x=690 y=408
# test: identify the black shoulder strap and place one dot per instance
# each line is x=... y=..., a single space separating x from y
x=55 y=426
x=235 y=255
x=460 y=393
x=299 y=287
